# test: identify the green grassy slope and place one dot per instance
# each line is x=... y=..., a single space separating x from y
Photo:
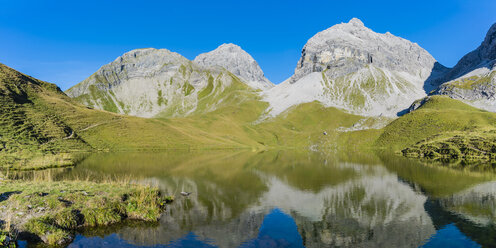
x=442 y=127
x=28 y=132
x=304 y=125
x=109 y=131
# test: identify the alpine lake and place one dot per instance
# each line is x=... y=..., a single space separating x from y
x=296 y=199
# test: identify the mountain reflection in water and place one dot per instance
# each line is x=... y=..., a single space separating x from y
x=296 y=199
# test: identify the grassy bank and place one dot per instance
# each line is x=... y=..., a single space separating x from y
x=455 y=146
x=51 y=211
x=438 y=115
x=443 y=129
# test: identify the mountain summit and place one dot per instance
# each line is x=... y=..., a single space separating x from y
x=237 y=61
x=347 y=47
x=351 y=67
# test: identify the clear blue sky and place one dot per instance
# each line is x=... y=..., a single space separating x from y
x=66 y=41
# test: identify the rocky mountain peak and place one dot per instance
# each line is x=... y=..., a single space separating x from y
x=356 y=22
x=489 y=43
x=353 y=68
x=349 y=47
x=147 y=58
x=233 y=48
x=234 y=59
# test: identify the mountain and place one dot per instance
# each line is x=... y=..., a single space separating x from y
x=237 y=61
x=473 y=79
x=159 y=83
x=351 y=67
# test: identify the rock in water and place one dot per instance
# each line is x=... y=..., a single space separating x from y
x=349 y=66
x=473 y=79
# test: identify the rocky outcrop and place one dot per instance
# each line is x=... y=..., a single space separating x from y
x=351 y=67
x=237 y=61
x=473 y=79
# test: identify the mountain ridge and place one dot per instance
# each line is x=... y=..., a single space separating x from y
x=156 y=83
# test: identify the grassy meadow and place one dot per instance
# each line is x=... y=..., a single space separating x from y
x=41 y=209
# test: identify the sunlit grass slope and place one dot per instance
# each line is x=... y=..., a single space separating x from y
x=304 y=125
x=29 y=133
x=443 y=128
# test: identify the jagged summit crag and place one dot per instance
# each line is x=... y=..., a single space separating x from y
x=237 y=61
x=351 y=67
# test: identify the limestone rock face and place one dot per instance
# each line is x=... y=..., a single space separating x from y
x=237 y=61
x=158 y=83
x=473 y=79
x=363 y=72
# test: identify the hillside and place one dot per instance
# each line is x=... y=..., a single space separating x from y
x=29 y=132
x=443 y=128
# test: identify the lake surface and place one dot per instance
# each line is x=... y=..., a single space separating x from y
x=298 y=199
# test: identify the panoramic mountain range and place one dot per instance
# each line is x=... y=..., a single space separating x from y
x=347 y=66
x=352 y=88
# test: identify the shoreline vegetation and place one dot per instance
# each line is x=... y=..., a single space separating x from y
x=42 y=210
